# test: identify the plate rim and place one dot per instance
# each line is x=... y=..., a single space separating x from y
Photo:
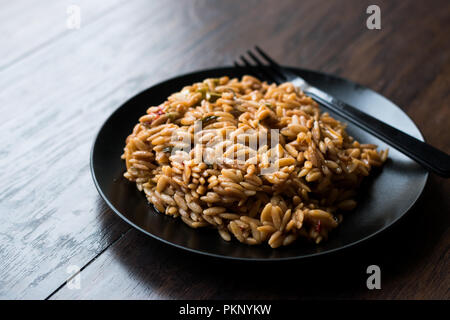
x=220 y=256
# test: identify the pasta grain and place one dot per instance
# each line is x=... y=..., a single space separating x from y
x=257 y=161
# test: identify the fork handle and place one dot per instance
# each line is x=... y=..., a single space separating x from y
x=425 y=154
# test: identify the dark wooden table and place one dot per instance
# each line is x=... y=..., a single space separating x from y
x=58 y=85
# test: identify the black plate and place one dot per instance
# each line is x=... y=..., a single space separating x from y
x=384 y=198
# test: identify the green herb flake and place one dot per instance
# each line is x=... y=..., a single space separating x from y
x=203 y=91
x=173 y=115
x=213 y=96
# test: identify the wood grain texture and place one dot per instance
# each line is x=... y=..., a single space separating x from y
x=57 y=86
x=27 y=27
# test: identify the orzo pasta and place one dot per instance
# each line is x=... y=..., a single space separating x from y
x=258 y=162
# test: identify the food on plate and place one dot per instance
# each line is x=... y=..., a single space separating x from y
x=259 y=162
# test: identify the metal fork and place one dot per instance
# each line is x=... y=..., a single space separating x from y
x=423 y=153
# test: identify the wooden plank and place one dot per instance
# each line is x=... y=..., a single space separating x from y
x=27 y=27
x=53 y=101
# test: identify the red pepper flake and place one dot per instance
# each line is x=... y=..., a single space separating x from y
x=159 y=111
x=318 y=226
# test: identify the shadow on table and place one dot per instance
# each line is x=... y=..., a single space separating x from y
x=402 y=253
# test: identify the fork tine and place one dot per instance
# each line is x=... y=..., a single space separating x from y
x=273 y=77
x=248 y=64
x=246 y=67
x=250 y=68
x=274 y=65
x=266 y=56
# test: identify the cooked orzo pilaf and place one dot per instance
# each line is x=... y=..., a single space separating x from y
x=195 y=157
